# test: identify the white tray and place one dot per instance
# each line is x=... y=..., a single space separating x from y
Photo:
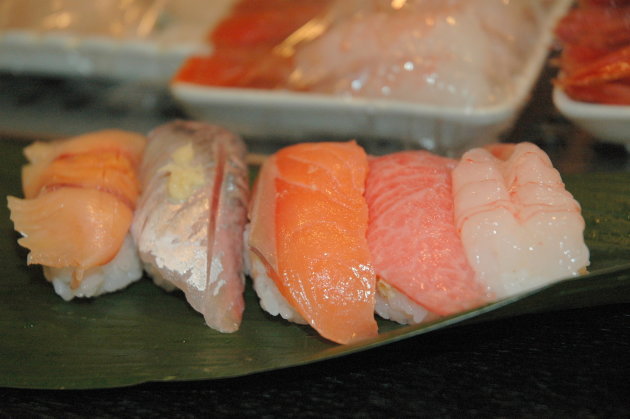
x=27 y=48
x=610 y=123
x=306 y=116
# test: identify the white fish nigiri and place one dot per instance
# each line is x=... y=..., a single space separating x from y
x=190 y=218
x=520 y=227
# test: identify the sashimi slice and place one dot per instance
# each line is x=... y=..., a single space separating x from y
x=414 y=244
x=308 y=227
x=520 y=227
x=80 y=194
x=108 y=157
x=74 y=227
x=190 y=218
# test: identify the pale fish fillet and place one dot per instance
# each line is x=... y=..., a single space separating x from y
x=520 y=227
x=190 y=236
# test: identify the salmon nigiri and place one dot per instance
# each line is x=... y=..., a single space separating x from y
x=417 y=253
x=309 y=257
x=520 y=227
x=191 y=216
x=79 y=198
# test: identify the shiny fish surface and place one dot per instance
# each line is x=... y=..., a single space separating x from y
x=190 y=219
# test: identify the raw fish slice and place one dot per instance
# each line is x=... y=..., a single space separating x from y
x=520 y=227
x=603 y=80
x=190 y=218
x=307 y=232
x=243 y=43
x=80 y=195
x=446 y=53
x=595 y=58
x=104 y=159
x=71 y=227
x=415 y=247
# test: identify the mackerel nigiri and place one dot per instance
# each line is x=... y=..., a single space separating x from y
x=418 y=255
x=79 y=198
x=308 y=255
x=190 y=218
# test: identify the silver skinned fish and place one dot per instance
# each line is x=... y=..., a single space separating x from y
x=190 y=218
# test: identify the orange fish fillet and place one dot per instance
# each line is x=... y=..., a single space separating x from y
x=309 y=221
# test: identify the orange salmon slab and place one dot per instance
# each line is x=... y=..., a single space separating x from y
x=320 y=262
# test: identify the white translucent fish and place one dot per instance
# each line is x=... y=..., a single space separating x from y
x=462 y=53
x=520 y=227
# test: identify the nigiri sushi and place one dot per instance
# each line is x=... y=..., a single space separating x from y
x=520 y=227
x=79 y=198
x=190 y=218
x=417 y=253
x=307 y=250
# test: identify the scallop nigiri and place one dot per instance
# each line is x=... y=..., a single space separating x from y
x=416 y=250
x=191 y=216
x=520 y=227
x=309 y=256
x=79 y=198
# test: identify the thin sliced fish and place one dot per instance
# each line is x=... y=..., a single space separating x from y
x=308 y=226
x=415 y=246
x=190 y=218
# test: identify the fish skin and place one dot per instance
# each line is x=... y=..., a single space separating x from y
x=412 y=236
x=320 y=260
x=196 y=244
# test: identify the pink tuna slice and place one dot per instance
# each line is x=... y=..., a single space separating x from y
x=412 y=236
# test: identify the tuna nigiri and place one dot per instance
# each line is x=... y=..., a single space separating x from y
x=309 y=257
x=417 y=253
x=520 y=227
x=79 y=198
x=190 y=218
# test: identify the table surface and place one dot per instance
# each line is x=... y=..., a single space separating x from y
x=572 y=363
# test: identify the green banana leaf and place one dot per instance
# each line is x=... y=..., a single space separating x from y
x=145 y=334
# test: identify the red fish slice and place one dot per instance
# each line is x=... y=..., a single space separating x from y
x=412 y=235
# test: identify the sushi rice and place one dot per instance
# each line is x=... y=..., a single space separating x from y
x=123 y=270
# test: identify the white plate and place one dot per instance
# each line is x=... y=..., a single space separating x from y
x=306 y=116
x=29 y=47
x=609 y=123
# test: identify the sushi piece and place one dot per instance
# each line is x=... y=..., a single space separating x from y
x=190 y=218
x=308 y=254
x=520 y=227
x=79 y=198
x=416 y=250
